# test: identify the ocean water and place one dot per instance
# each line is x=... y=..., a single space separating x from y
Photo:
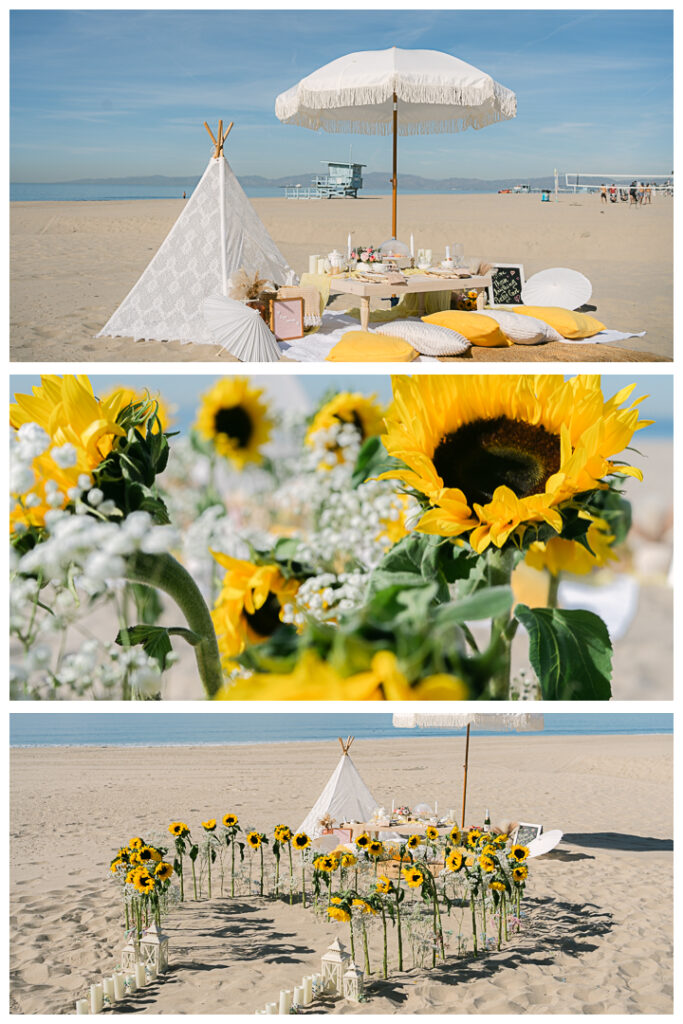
x=72 y=192
x=178 y=729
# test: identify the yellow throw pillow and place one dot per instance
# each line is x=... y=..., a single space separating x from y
x=568 y=322
x=365 y=347
x=477 y=328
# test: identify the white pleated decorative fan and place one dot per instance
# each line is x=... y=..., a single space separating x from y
x=558 y=286
x=240 y=330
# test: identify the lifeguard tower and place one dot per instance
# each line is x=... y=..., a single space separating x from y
x=341 y=181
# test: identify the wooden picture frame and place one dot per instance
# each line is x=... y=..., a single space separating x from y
x=491 y=292
x=525 y=833
x=287 y=318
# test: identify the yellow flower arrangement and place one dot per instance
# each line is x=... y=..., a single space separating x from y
x=315 y=679
x=235 y=420
x=494 y=453
x=67 y=410
x=249 y=607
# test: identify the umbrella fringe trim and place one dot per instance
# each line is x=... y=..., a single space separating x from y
x=435 y=127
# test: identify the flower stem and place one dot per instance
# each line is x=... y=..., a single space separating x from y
x=474 y=926
x=209 y=867
x=291 y=872
x=385 y=965
x=232 y=867
x=167 y=574
x=194 y=879
x=499 y=574
x=365 y=948
x=553 y=590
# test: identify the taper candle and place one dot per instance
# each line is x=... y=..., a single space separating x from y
x=412 y=246
x=348 y=245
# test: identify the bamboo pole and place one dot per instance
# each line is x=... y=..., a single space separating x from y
x=394 y=180
x=464 y=783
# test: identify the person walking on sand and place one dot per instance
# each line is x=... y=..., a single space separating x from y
x=613 y=193
x=633 y=193
x=184 y=195
x=603 y=193
x=647 y=199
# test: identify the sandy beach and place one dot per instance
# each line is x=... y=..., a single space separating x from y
x=598 y=938
x=72 y=263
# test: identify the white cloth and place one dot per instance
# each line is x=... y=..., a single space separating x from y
x=166 y=303
x=606 y=337
x=344 y=798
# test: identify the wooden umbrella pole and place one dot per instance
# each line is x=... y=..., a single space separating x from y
x=464 y=783
x=394 y=180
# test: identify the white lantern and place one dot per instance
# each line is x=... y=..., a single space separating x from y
x=334 y=963
x=129 y=956
x=353 y=983
x=154 y=949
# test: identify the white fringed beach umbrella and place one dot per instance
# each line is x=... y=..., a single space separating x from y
x=397 y=92
x=498 y=722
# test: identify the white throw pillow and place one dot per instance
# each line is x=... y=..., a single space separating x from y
x=427 y=339
x=522 y=329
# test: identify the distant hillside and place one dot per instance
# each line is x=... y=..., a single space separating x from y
x=374 y=180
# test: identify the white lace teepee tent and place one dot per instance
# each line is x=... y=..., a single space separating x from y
x=217 y=233
x=344 y=798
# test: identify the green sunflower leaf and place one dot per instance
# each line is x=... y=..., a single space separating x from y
x=372 y=460
x=487 y=603
x=154 y=640
x=570 y=652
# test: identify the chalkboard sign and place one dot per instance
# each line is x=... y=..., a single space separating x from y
x=526 y=833
x=507 y=281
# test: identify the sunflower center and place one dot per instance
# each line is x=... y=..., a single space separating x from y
x=354 y=418
x=236 y=423
x=266 y=619
x=485 y=454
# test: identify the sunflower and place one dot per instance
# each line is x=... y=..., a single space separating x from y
x=326 y=863
x=209 y=825
x=134 y=874
x=454 y=835
x=136 y=844
x=149 y=855
x=364 y=906
x=501 y=839
x=163 y=871
x=233 y=418
x=454 y=860
x=347 y=860
x=249 y=607
x=178 y=829
x=362 y=411
x=497 y=886
x=432 y=833
x=520 y=873
x=473 y=837
x=145 y=883
x=230 y=820
x=362 y=841
x=282 y=833
x=68 y=412
x=413 y=877
x=336 y=913
x=301 y=841
x=487 y=864
x=560 y=555
x=413 y=842
x=254 y=839
x=519 y=853
x=315 y=679
x=489 y=850
x=119 y=862
x=492 y=454
x=375 y=848
x=135 y=858
x=383 y=884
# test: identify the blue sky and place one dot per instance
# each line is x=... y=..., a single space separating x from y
x=119 y=93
